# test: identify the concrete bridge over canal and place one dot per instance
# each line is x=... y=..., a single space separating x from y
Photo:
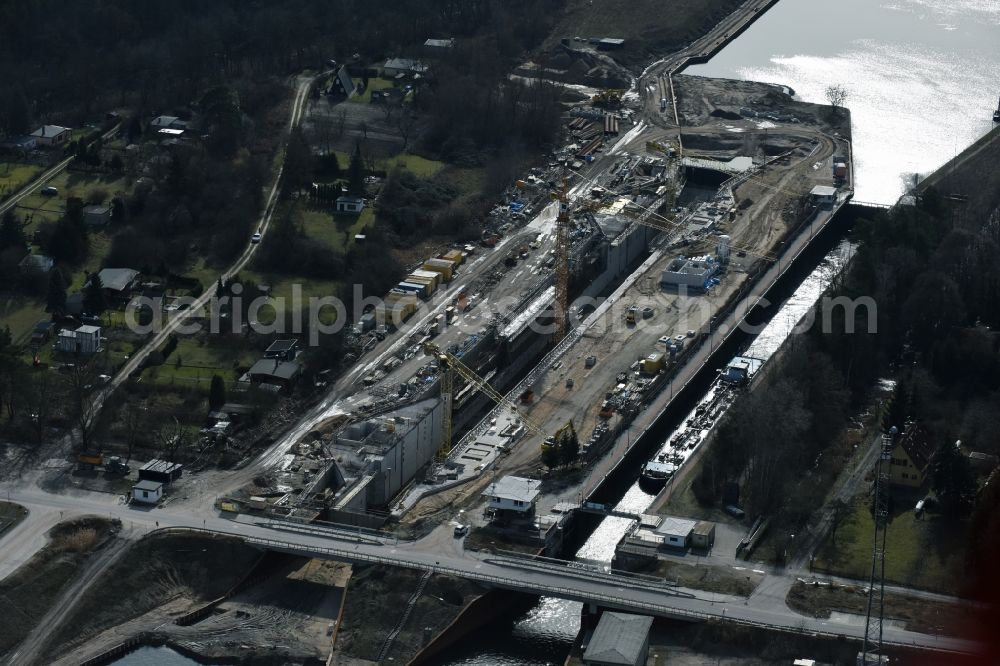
x=440 y=553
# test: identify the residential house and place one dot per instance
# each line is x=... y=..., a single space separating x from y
x=118 y=283
x=285 y=350
x=84 y=340
x=168 y=122
x=343 y=84
x=36 y=264
x=983 y=463
x=610 y=44
x=48 y=136
x=911 y=457
x=96 y=216
x=349 y=204
x=274 y=372
x=403 y=66
x=19 y=144
x=620 y=639
x=147 y=492
x=437 y=48
x=512 y=497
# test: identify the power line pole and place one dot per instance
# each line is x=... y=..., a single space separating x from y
x=872 y=651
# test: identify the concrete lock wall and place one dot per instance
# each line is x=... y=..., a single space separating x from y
x=413 y=450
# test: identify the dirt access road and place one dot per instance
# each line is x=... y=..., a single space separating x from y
x=135 y=362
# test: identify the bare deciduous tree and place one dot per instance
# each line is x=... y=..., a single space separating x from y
x=836 y=95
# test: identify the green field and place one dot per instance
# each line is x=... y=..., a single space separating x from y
x=193 y=363
x=420 y=166
x=337 y=231
x=282 y=287
x=69 y=184
x=926 y=553
x=373 y=85
x=14 y=176
x=21 y=314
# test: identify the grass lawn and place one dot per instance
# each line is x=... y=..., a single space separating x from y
x=70 y=184
x=420 y=166
x=373 y=85
x=722 y=579
x=13 y=176
x=926 y=552
x=337 y=231
x=195 y=361
x=21 y=314
x=10 y=515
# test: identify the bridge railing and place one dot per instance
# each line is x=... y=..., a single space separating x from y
x=547 y=589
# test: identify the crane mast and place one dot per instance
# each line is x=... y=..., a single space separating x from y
x=872 y=651
x=451 y=365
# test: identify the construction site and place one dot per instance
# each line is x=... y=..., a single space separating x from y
x=611 y=270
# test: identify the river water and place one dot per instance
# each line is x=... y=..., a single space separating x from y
x=922 y=76
x=543 y=634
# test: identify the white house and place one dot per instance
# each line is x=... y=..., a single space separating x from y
x=823 y=195
x=513 y=496
x=407 y=66
x=51 y=135
x=168 y=122
x=147 y=492
x=347 y=204
x=84 y=340
x=676 y=532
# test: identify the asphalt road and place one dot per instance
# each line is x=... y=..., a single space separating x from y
x=567 y=581
x=136 y=360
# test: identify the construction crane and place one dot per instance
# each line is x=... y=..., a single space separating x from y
x=872 y=651
x=650 y=218
x=562 y=261
x=452 y=365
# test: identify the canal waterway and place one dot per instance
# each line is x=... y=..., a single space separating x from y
x=922 y=76
x=157 y=656
x=543 y=633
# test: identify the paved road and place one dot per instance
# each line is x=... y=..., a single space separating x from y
x=138 y=357
x=567 y=581
x=46 y=176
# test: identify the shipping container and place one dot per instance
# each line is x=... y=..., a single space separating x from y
x=419 y=289
x=443 y=266
x=435 y=276
x=455 y=256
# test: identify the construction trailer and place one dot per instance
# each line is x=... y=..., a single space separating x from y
x=162 y=471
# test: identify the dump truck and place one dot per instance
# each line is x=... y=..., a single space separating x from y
x=91 y=459
x=630 y=316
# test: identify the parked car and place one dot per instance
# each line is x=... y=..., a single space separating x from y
x=461 y=531
x=50 y=191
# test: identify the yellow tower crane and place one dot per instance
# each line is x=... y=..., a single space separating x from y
x=452 y=365
x=562 y=261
